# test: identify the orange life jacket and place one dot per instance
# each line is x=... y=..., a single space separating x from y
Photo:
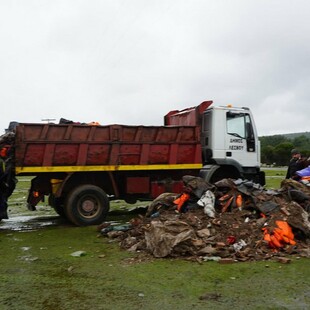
x=279 y=236
x=181 y=200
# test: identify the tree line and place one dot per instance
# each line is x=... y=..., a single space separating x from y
x=276 y=149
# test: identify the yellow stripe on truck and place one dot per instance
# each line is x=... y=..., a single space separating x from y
x=21 y=170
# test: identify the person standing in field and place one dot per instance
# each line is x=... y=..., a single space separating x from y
x=296 y=163
x=3 y=185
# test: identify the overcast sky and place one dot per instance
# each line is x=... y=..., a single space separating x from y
x=132 y=61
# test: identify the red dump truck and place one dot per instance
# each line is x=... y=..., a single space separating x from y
x=80 y=168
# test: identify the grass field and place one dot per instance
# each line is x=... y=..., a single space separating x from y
x=37 y=271
x=274 y=177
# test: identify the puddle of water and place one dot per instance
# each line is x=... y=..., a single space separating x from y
x=35 y=222
x=32 y=223
x=29 y=223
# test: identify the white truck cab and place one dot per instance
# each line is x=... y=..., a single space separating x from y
x=230 y=145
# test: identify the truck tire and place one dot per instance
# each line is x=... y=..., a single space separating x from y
x=87 y=205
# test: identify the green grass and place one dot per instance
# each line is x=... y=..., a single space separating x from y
x=275 y=172
x=274 y=177
x=38 y=272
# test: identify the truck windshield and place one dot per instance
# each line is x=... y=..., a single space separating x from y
x=236 y=124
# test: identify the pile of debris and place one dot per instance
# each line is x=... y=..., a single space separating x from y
x=232 y=220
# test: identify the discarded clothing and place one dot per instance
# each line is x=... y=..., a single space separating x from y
x=207 y=201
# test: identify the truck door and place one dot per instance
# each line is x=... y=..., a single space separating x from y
x=206 y=138
x=241 y=141
x=213 y=136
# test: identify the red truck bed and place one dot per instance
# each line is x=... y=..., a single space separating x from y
x=105 y=147
x=187 y=117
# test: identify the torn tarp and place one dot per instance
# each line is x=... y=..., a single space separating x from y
x=164 y=200
x=162 y=238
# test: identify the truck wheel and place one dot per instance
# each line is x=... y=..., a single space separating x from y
x=87 y=205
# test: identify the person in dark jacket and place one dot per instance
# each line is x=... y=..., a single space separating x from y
x=296 y=163
x=3 y=185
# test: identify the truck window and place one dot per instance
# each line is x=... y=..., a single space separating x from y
x=249 y=133
x=236 y=124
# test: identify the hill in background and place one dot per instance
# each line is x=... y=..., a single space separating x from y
x=292 y=136
x=277 y=148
